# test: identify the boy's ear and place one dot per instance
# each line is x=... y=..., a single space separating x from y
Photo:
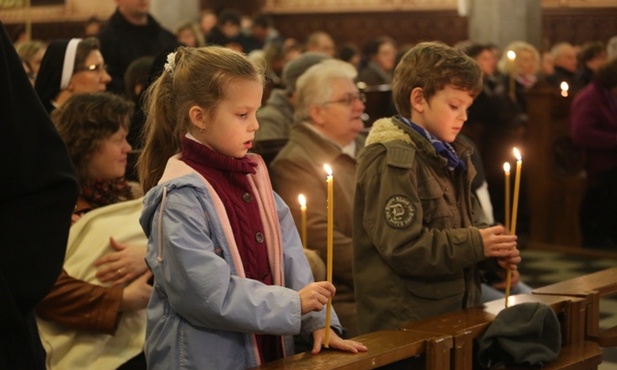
x=198 y=117
x=416 y=99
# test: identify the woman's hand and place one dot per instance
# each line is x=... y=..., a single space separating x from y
x=137 y=294
x=122 y=266
x=336 y=342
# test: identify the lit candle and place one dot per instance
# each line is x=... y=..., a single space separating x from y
x=517 y=185
x=302 y=201
x=564 y=89
x=506 y=170
x=511 y=69
x=330 y=242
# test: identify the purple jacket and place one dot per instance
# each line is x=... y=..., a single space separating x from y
x=593 y=126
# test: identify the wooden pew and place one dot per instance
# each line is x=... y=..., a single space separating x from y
x=469 y=324
x=384 y=347
x=591 y=288
x=446 y=341
x=554 y=174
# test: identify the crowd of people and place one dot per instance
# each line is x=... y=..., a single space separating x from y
x=192 y=256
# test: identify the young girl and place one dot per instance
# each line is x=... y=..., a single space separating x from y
x=231 y=280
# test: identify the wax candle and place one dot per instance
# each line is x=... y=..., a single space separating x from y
x=517 y=185
x=330 y=242
x=506 y=170
x=512 y=71
x=302 y=200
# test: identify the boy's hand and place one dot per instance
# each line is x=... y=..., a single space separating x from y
x=314 y=296
x=336 y=342
x=497 y=243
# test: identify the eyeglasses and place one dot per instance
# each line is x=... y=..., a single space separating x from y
x=349 y=99
x=92 y=68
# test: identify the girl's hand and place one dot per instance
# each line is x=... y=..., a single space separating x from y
x=123 y=266
x=336 y=342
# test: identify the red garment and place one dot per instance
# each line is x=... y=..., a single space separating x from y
x=228 y=177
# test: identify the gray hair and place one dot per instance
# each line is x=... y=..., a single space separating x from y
x=314 y=87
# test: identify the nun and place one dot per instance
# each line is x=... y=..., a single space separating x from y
x=38 y=192
x=70 y=67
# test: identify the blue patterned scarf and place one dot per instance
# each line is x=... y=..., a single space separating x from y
x=444 y=149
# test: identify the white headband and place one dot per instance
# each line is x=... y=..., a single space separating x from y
x=69 y=63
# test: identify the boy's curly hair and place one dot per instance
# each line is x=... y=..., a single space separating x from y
x=431 y=66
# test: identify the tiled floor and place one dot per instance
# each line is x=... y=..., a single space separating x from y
x=543 y=267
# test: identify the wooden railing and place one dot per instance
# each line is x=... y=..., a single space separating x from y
x=446 y=341
x=591 y=288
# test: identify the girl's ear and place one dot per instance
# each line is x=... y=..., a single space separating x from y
x=198 y=117
x=416 y=99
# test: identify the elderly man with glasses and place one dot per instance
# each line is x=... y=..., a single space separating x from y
x=328 y=131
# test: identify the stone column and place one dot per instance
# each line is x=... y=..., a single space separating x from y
x=503 y=21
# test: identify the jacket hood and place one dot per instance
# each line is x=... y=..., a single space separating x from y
x=154 y=197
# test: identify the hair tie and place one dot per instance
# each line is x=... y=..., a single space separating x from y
x=170 y=66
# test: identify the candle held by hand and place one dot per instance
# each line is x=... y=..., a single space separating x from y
x=330 y=242
x=506 y=170
x=302 y=200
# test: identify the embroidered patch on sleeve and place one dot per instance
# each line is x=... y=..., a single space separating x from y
x=398 y=211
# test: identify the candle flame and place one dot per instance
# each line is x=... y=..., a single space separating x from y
x=302 y=200
x=511 y=55
x=506 y=167
x=564 y=89
x=328 y=169
x=517 y=154
x=564 y=86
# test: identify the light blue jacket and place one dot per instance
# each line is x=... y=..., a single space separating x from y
x=201 y=314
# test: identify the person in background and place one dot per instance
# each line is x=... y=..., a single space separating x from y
x=591 y=57
x=379 y=55
x=207 y=21
x=350 y=53
x=328 y=130
x=37 y=195
x=136 y=82
x=214 y=206
x=32 y=52
x=94 y=315
x=188 y=34
x=70 y=67
x=593 y=127
x=417 y=235
x=565 y=64
x=320 y=42
x=227 y=32
x=131 y=32
x=92 y=27
x=277 y=116
x=262 y=33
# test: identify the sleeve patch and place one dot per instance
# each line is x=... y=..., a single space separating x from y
x=399 y=212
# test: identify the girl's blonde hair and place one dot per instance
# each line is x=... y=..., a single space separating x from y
x=191 y=77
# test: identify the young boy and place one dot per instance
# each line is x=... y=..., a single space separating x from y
x=416 y=236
